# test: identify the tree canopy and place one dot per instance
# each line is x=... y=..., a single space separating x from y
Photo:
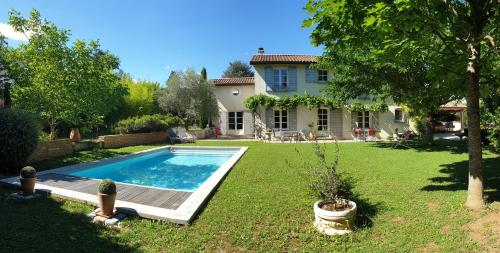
x=189 y=97
x=418 y=52
x=238 y=69
x=75 y=84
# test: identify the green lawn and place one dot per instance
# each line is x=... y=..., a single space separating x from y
x=409 y=200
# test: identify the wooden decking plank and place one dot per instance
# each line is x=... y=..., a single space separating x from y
x=162 y=198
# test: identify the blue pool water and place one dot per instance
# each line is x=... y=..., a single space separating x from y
x=180 y=170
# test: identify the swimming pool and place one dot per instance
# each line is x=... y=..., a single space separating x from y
x=154 y=184
x=179 y=169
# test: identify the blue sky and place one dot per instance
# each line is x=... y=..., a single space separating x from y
x=151 y=38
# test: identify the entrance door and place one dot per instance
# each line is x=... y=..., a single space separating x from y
x=235 y=123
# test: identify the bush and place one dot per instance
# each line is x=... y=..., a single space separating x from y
x=146 y=124
x=18 y=139
x=107 y=186
x=324 y=180
x=28 y=172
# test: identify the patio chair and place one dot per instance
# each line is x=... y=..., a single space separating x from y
x=357 y=134
x=372 y=134
x=187 y=137
x=402 y=141
x=172 y=137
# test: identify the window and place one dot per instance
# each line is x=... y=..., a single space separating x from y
x=398 y=115
x=281 y=79
x=322 y=75
x=235 y=120
x=322 y=119
x=281 y=119
x=363 y=119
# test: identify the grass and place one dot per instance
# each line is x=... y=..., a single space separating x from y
x=409 y=200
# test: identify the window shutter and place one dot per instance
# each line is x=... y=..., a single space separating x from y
x=311 y=75
x=374 y=120
x=268 y=78
x=292 y=78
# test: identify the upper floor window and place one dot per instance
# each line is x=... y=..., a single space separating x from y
x=398 y=115
x=281 y=78
x=322 y=75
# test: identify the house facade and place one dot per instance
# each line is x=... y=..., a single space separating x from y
x=285 y=75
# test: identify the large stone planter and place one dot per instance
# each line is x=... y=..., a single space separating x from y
x=334 y=222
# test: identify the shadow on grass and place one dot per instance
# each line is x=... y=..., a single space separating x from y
x=76 y=158
x=456 y=178
x=366 y=211
x=43 y=225
x=456 y=147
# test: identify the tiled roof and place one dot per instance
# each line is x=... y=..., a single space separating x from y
x=233 y=81
x=283 y=58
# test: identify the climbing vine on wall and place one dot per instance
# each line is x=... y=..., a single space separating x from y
x=310 y=101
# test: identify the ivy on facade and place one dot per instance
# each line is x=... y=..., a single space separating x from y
x=310 y=101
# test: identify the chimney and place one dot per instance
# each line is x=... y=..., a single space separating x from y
x=261 y=50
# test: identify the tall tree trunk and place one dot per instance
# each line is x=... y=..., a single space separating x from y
x=429 y=131
x=475 y=198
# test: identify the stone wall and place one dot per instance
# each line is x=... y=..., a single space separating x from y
x=50 y=149
x=122 y=140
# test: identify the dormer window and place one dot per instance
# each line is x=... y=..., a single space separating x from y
x=322 y=76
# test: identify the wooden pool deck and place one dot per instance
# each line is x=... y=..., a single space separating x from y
x=162 y=198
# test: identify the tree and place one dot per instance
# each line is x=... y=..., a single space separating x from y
x=457 y=39
x=203 y=73
x=141 y=98
x=61 y=83
x=189 y=97
x=238 y=69
x=5 y=80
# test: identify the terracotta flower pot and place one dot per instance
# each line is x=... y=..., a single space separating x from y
x=28 y=185
x=106 y=203
x=334 y=222
x=312 y=136
x=74 y=135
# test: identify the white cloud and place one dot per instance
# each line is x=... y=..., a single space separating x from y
x=169 y=67
x=8 y=31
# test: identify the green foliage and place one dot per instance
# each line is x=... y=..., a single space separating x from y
x=146 y=124
x=203 y=73
x=238 y=69
x=75 y=84
x=28 y=172
x=140 y=100
x=189 y=97
x=107 y=186
x=253 y=102
x=490 y=119
x=18 y=138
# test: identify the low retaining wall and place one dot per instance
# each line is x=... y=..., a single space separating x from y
x=122 y=140
x=50 y=149
x=200 y=134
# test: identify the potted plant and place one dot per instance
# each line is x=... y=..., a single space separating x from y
x=28 y=179
x=334 y=213
x=312 y=131
x=107 y=197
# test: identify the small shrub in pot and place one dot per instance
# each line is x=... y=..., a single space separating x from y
x=334 y=212
x=28 y=179
x=107 y=197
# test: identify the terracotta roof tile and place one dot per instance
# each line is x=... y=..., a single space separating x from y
x=283 y=58
x=233 y=81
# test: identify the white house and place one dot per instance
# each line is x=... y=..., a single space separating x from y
x=283 y=75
